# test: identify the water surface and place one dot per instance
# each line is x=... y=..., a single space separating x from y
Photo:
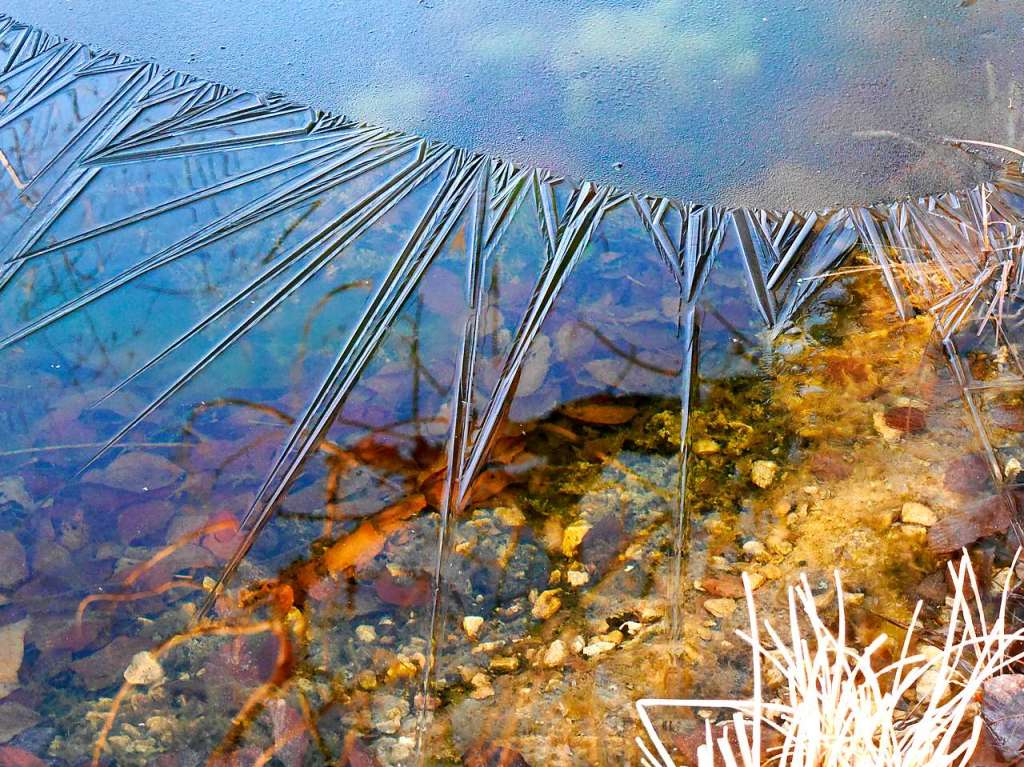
x=783 y=103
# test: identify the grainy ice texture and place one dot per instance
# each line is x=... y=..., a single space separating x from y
x=780 y=103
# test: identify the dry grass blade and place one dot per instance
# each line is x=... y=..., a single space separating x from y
x=989 y=144
x=838 y=710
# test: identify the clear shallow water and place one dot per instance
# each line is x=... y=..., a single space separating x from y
x=477 y=454
x=782 y=103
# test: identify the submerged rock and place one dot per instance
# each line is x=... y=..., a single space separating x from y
x=144 y=669
x=577 y=578
x=762 y=473
x=603 y=543
x=573 y=536
x=15 y=719
x=720 y=608
x=482 y=689
x=598 y=647
x=706 y=446
x=547 y=604
x=504 y=664
x=366 y=633
x=914 y=513
x=555 y=654
x=13 y=564
x=386 y=713
x=471 y=624
x=12 y=651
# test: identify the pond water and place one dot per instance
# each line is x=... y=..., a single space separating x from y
x=329 y=445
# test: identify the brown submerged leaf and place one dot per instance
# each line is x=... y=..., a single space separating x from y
x=967 y=474
x=987 y=754
x=602 y=414
x=907 y=419
x=394 y=592
x=137 y=472
x=730 y=586
x=358 y=548
x=16 y=757
x=1002 y=707
x=142 y=519
x=976 y=520
x=103 y=668
x=488 y=485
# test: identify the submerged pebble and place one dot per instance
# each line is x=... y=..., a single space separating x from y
x=721 y=607
x=577 y=578
x=144 y=669
x=471 y=624
x=555 y=654
x=914 y=513
x=504 y=664
x=762 y=473
x=598 y=648
x=482 y=688
x=366 y=633
x=547 y=604
x=573 y=536
x=13 y=565
x=703 y=447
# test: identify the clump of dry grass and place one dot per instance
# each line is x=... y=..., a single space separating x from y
x=836 y=710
